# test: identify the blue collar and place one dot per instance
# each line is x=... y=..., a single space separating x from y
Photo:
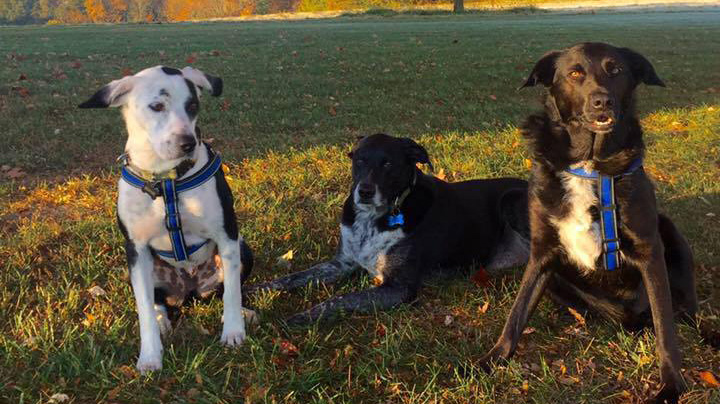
x=608 y=210
x=169 y=188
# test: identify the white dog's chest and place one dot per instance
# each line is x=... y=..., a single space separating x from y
x=367 y=245
x=145 y=219
x=579 y=234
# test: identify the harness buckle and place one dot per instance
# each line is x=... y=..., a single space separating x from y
x=152 y=188
x=169 y=226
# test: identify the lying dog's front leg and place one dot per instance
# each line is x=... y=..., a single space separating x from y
x=656 y=283
x=376 y=298
x=532 y=286
x=140 y=262
x=325 y=272
x=233 y=319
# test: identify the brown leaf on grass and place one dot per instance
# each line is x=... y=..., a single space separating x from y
x=59 y=74
x=480 y=278
x=440 y=174
x=332 y=111
x=191 y=59
x=22 y=77
x=528 y=330
x=578 y=317
x=15 y=173
x=126 y=71
x=24 y=92
x=709 y=378
x=484 y=308
x=127 y=371
x=287 y=348
x=493 y=97
x=76 y=65
x=380 y=330
x=528 y=163
x=225 y=106
x=215 y=52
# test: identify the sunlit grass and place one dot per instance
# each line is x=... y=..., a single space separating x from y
x=58 y=240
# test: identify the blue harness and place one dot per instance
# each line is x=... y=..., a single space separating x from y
x=608 y=210
x=169 y=189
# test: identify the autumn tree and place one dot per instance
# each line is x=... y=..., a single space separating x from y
x=95 y=10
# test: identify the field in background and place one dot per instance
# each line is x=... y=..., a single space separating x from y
x=296 y=95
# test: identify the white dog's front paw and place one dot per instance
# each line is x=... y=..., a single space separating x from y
x=233 y=336
x=148 y=363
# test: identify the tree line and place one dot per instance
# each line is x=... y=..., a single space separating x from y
x=115 y=11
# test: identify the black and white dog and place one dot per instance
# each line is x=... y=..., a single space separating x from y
x=597 y=240
x=401 y=226
x=174 y=206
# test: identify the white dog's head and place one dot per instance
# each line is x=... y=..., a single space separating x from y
x=160 y=106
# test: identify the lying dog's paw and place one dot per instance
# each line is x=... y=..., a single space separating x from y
x=149 y=363
x=665 y=396
x=233 y=336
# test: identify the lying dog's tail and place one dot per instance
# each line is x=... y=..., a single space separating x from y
x=513 y=209
x=514 y=246
x=247 y=260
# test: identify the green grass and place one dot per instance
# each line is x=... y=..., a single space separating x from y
x=296 y=96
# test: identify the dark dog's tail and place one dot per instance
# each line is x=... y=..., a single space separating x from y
x=513 y=209
x=247 y=260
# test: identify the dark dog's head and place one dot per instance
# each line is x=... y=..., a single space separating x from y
x=383 y=167
x=160 y=106
x=592 y=84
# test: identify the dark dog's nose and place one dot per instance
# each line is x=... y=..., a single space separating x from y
x=601 y=101
x=366 y=191
x=187 y=143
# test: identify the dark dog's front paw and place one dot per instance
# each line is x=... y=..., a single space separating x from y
x=666 y=395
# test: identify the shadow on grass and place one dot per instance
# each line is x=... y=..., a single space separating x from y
x=389 y=12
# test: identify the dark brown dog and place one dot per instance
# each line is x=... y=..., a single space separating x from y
x=633 y=269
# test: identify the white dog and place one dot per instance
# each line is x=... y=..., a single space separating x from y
x=174 y=206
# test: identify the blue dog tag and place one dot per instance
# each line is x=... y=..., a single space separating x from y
x=396 y=220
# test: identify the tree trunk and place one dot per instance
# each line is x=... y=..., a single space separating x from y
x=458 y=6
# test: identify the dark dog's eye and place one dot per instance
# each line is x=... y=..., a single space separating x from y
x=359 y=162
x=157 y=106
x=614 y=70
x=387 y=165
x=576 y=74
x=192 y=108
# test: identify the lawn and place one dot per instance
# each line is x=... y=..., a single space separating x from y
x=296 y=96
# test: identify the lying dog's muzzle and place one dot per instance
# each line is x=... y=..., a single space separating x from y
x=366 y=192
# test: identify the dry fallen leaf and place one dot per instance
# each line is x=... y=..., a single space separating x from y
x=578 y=317
x=96 y=291
x=480 y=278
x=528 y=163
x=191 y=59
x=484 y=308
x=709 y=378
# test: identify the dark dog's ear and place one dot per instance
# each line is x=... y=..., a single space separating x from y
x=544 y=70
x=112 y=95
x=358 y=139
x=416 y=153
x=641 y=68
x=204 y=81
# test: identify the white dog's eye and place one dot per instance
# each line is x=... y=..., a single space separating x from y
x=157 y=106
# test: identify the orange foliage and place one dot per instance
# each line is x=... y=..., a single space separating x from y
x=95 y=10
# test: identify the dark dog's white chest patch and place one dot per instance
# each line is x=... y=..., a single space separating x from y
x=366 y=244
x=579 y=234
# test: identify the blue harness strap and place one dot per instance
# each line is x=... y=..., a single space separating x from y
x=169 y=189
x=608 y=211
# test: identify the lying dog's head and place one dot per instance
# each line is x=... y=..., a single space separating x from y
x=592 y=84
x=160 y=106
x=383 y=167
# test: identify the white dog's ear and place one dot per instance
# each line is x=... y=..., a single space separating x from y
x=112 y=95
x=204 y=81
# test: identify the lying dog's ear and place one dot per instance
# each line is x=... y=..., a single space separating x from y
x=416 y=153
x=204 y=81
x=544 y=70
x=641 y=68
x=358 y=139
x=112 y=95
